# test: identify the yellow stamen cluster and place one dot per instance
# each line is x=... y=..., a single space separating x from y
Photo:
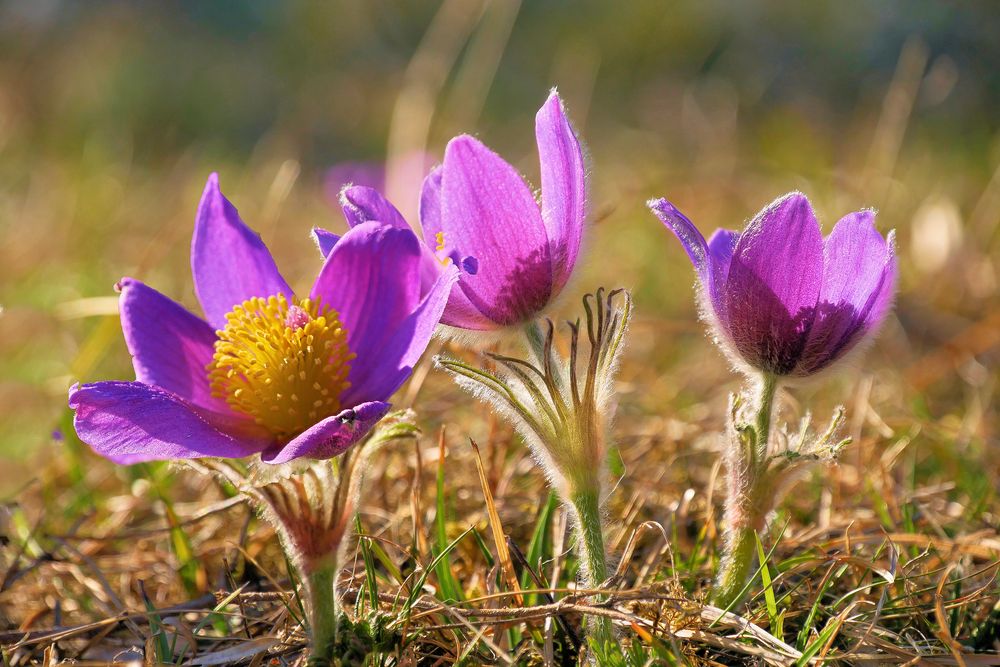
x=285 y=365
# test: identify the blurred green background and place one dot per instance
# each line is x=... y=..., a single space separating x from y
x=112 y=114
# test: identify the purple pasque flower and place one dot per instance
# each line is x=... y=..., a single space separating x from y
x=782 y=299
x=267 y=372
x=478 y=213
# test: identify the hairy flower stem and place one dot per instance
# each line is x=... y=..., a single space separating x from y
x=762 y=421
x=590 y=538
x=748 y=502
x=323 y=614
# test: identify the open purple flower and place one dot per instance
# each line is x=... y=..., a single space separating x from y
x=782 y=299
x=267 y=372
x=478 y=213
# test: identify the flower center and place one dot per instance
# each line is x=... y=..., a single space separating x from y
x=284 y=365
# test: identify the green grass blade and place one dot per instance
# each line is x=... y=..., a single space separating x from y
x=450 y=589
x=366 y=555
x=540 y=546
x=774 y=619
x=441 y=558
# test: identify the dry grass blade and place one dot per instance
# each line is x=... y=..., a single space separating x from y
x=496 y=528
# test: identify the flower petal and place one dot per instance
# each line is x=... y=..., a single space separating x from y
x=774 y=281
x=229 y=261
x=858 y=284
x=489 y=213
x=372 y=280
x=130 y=422
x=171 y=348
x=460 y=312
x=710 y=260
x=324 y=240
x=363 y=204
x=720 y=252
x=430 y=204
x=685 y=231
x=564 y=186
x=330 y=437
x=385 y=371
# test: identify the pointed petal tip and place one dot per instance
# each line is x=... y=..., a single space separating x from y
x=659 y=204
x=342 y=194
x=324 y=239
x=669 y=214
x=690 y=237
x=211 y=196
x=784 y=210
x=463 y=142
x=212 y=188
x=349 y=189
x=553 y=100
x=793 y=199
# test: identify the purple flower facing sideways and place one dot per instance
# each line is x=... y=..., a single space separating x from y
x=478 y=213
x=783 y=299
x=267 y=372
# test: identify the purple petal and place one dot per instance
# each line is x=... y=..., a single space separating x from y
x=564 y=186
x=685 y=231
x=372 y=280
x=229 y=261
x=324 y=240
x=858 y=285
x=720 y=252
x=430 y=204
x=171 y=348
x=460 y=312
x=710 y=260
x=385 y=371
x=330 y=437
x=130 y=422
x=489 y=213
x=363 y=204
x=774 y=281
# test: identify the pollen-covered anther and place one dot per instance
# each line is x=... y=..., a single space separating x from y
x=283 y=364
x=440 y=248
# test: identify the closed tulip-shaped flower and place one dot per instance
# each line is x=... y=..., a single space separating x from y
x=783 y=300
x=784 y=303
x=515 y=254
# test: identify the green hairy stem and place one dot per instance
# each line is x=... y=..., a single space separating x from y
x=590 y=538
x=748 y=503
x=323 y=615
